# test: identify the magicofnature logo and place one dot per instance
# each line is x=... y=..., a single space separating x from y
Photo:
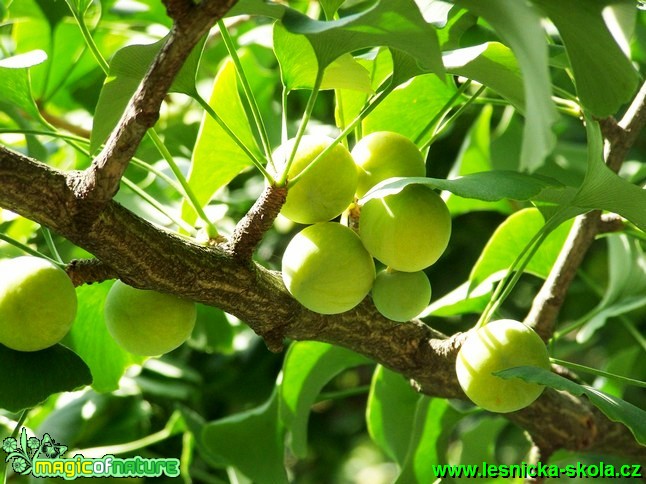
x=45 y=458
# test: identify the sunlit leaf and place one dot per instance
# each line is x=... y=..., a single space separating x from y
x=216 y=158
x=14 y=81
x=410 y=107
x=299 y=65
x=508 y=240
x=491 y=64
x=460 y=301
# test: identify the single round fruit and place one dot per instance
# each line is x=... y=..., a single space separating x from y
x=401 y=296
x=325 y=190
x=498 y=346
x=407 y=231
x=385 y=154
x=327 y=269
x=37 y=303
x=148 y=323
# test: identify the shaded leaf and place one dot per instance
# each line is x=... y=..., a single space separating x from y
x=432 y=428
x=30 y=377
x=55 y=12
x=250 y=441
x=184 y=82
x=212 y=333
x=330 y=7
x=127 y=68
x=626 y=284
x=399 y=26
x=308 y=366
x=390 y=412
x=614 y=408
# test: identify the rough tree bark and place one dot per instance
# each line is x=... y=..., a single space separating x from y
x=78 y=206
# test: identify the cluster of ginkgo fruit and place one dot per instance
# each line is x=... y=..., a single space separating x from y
x=329 y=267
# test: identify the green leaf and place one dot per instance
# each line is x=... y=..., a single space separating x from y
x=55 y=12
x=433 y=426
x=390 y=412
x=217 y=159
x=30 y=377
x=409 y=108
x=195 y=424
x=605 y=78
x=250 y=441
x=519 y=26
x=308 y=366
x=349 y=102
x=213 y=333
x=184 y=82
x=257 y=7
x=330 y=7
x=128 y=67
x=508 y=240
x=89 y=338
x=399 y=26
x=412 y=429
x=614 y=408
x=474 y=157
x=604 y=189
x=14 y=81
x=626 y=284
x=491 y=64
x=298 y=65
x=460 y=301
x=489 y=186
